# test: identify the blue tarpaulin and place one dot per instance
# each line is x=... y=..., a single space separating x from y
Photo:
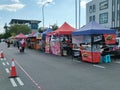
x=36 y=34
x=93 y=28
x=45 y=32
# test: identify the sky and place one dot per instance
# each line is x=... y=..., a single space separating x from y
x=56 y=12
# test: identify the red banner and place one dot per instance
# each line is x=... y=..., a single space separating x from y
x=93 y=57
x=110 y=38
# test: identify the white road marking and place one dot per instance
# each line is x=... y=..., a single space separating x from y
x=13 y=82
x=99 y=66
x=3 y=64
x=76 y=60
x=7 y=63
x=19 y=81
x=118 y=62
x=7 y=70
x=29 y=76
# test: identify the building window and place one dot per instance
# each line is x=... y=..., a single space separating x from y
x=103 y=5
x=94 y=8
x=118 y=15
x=94 y=18
x=90 y=9
x=34 y=26
x=90 y=18
x=113 y=15
x=103 y=18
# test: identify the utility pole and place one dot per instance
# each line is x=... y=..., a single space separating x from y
x=43 y=13
x=77 y=13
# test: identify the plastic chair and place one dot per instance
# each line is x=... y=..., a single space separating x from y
x=107 y=59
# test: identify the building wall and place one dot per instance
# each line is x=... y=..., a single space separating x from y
x=32 y=24
x=100 y=8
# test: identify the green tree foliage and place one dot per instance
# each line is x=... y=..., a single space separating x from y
x=6 y=35
x=54 y=27
x=16 y=29
x=40 y=30
x=1 y=36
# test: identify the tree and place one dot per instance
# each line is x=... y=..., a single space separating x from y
x=54 y=27
x=16 y=29
x=1 y=36
x=40 y=30
x=6 y=35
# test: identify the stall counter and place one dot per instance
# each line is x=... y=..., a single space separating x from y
x=93 y=57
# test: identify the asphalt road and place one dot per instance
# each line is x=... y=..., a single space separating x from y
x=39 y=71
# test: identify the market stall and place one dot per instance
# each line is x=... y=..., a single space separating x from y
x=45 y=33
x=92 y=36
x=33 y=40
x=60 y=39
x=38 y=37
x=44 y=43
x=20 y=36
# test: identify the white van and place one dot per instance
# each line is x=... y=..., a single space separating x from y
x=118 y=42
x=116 y=48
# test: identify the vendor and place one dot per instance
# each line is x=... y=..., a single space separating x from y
x=105 y=50
x=64 y=46
x=81 y=47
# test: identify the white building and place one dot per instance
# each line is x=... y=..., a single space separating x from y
x=104 y=12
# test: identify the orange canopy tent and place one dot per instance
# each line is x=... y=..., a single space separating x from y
x=20 y=36
x=65 y=29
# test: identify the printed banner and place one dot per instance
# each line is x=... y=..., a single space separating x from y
x=55 y=48
x=47 y=45
x=93 y=57
x=110 y=38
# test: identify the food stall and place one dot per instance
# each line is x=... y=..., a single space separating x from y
x=20 y=36
x=92 y=36
x=45 y=33
x=33 y=40
x=44 y=43
x=57 y=37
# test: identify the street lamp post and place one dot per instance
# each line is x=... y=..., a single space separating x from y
x=77 y=13
x=43 y=12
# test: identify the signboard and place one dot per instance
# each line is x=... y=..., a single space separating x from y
x=55 y=48
x=97 y=38
x=93 y=57
x=47 y=45
x=110 y=38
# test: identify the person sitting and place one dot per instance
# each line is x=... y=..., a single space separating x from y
x=81 y=47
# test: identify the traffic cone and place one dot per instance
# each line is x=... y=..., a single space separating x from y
x=13 y=73
x=1 y=54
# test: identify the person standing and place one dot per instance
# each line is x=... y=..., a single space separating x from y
x=18 y=44
x=8 y=43
x=22 y=45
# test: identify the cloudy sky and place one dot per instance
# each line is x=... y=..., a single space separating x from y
x=57 y=11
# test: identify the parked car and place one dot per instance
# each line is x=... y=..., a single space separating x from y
x=115 y=49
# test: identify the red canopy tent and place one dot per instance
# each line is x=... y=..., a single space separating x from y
x=31 y=35
x=55 y=46
x=65 y=29
x=20 y=36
